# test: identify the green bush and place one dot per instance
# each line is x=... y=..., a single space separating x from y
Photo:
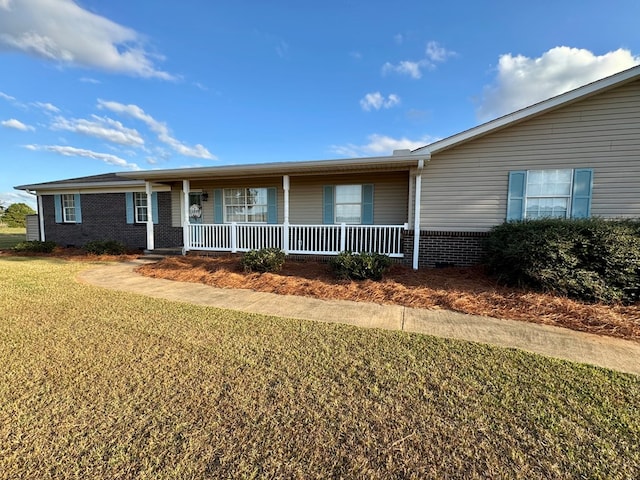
x=104 y=247
x=593 y=260
x=263 y=260
x=360 y=266
x=35 y=246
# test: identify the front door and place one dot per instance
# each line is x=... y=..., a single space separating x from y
x=195 y=207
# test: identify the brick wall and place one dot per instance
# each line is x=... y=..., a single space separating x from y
x=438 y=249
x=104 y=218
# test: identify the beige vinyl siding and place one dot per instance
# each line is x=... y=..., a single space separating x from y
x=265 y=182
x=465 y=188
x=176 y=206
x=390 y=196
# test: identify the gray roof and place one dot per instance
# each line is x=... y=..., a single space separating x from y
x=104 y=179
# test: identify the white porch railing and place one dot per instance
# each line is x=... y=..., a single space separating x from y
x=299 y=239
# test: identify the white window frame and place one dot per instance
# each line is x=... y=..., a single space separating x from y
x=337 y=204
x=68 y=204
x=246 y=206
x=140 y=207
x=568 y=197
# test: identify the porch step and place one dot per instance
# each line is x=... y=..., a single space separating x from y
x=160 y=253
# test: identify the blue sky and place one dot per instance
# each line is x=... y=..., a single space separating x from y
x=89 y=86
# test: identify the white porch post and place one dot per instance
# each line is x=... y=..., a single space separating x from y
x=186 y=240
x=41 y=218
x=150 y=238
x=285 y=227
x=416 y=215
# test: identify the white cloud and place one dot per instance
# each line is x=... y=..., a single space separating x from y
x=159 y=128
x=17 y=124
x=81 y=152
x=380 y=145
x=100 y=127
x=437 y=53
x=376 y=101
x=89 y=80
x=406 y=67
x=7 y=198
x=63 y=32
x=434 y=53
x=49 y=107
x=522 y=81
x=398 y=39
x=7 y=97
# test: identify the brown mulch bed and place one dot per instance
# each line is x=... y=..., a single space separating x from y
x=466 y=290
x=75 y=254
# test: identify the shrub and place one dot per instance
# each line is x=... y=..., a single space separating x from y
x=360 y=266
x=35 y=246
x=593 y=260
x=263 y=260
x=104 y=247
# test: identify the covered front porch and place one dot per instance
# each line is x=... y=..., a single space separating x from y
x=315 y=208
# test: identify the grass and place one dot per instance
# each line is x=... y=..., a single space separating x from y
x=103 y=384
x=10 y=236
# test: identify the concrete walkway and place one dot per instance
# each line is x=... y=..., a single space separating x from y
x=621 y=355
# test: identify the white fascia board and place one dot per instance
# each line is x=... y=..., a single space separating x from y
x=281 y=168
x=99 y=188
x=537 y=109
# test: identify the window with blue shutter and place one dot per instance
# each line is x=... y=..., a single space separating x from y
x=516 y=196
x=272 y=205
x=67 y=208
x=129 y=207
x=57 y=205
x=551 y=193
x=367 y=204
x=582 y=186
x=327 y=205
x=154 y=207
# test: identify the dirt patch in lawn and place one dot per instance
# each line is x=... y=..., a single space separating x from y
x=467 y=290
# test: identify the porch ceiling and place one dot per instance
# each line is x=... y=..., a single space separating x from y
x=389 y=163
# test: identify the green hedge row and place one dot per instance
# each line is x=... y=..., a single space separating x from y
x=593 y=260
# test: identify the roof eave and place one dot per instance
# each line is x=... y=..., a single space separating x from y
x=71 y=186
x=280 y=168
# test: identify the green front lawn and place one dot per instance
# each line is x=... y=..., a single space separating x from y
x=10 y=236
x=102 y=384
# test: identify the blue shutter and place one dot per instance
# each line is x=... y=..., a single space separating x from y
x=582 y=186
x=154 y=207
x=76 y=204
x=272 y=205
x=327 y=205
x=57 y=204
x=218 y=207
x=515 y=199
x=367 y=204
x=129 y=206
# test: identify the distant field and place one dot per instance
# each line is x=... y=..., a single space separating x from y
x=102 y=384
x=11 y=236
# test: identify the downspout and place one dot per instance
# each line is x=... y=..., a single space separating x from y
x=150 y=238
x=416 y=214
x=185 y=216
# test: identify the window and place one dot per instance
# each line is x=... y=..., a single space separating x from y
x=554 y=193
x=140 y=205
x=246 y=205
x=352 y=204
x=138 y=209
x=68 y=208
x=348 y=204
